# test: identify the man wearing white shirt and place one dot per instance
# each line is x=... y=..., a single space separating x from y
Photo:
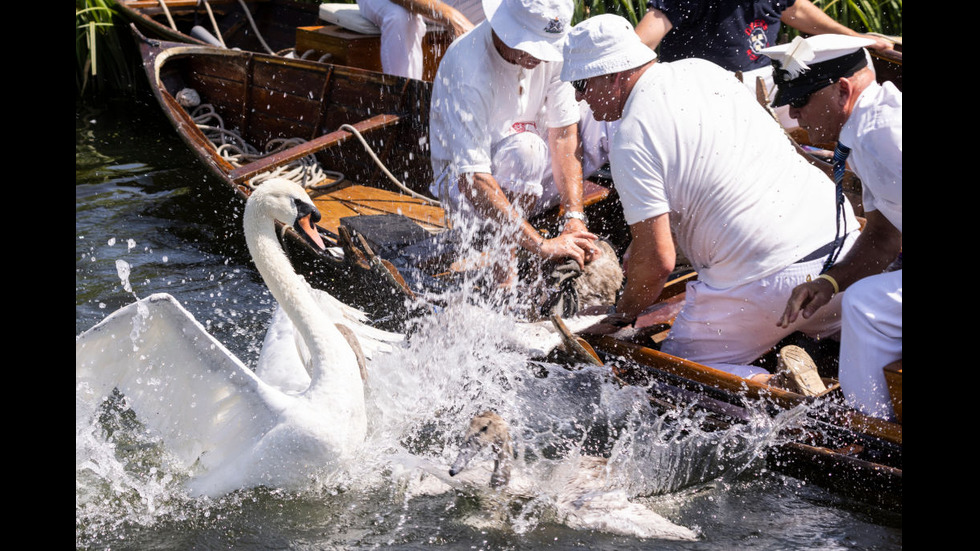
x=696 y=158
x=504 y=128
x=831 y=90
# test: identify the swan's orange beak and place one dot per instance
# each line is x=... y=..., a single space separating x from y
x=308 y=229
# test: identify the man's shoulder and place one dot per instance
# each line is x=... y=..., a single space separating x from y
x=693 y=72
x=878 y=113
x=466 y=51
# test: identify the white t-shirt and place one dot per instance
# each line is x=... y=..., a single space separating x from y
x=874 y=134
x=693 y=142
x=478 y=99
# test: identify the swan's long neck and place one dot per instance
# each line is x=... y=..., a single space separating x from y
x=335 y=370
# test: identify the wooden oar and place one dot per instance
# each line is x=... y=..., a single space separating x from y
x=733 y=384
x=575 y=345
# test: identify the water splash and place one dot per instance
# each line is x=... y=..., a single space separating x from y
x=458 y=361
x=123 y=269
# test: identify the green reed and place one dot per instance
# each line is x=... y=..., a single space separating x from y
x=878 y=16
x=101 y=61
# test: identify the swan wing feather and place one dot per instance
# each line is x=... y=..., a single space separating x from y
x=181 y=382
x=285 y=361
x=371 y=339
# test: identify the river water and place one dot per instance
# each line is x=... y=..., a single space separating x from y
x=144 y=223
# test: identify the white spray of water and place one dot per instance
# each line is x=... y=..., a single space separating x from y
x=457 y=362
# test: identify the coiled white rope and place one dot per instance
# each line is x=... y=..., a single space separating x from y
x=306 y=171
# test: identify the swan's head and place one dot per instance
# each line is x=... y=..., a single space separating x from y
x=486 y=429
x=286 y=201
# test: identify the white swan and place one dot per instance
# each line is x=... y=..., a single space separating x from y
x=220 y=420
x=581 y=498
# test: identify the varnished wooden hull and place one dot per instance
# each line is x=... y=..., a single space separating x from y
x=264 y=98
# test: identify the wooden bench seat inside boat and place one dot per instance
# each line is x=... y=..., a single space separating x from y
x=359 y=200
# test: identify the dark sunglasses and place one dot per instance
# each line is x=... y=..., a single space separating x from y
x=580 y=85
x=798 y=103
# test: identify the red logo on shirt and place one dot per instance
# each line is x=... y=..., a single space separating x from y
x=519 y=127
x=757 y=38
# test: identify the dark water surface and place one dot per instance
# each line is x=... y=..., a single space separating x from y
x=140 y=197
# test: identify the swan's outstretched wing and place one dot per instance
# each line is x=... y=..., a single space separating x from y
x=285 y=361
x=180 y=381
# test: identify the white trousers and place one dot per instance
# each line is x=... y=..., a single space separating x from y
x=402 y=32
x=729 y=328
x=871 y=338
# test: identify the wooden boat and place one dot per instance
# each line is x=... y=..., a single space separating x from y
x=836 y=447
x=360 y=127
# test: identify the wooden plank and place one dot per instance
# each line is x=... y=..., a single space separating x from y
x=243 y=173
x=364 y=200
x=363 y=51
x=850 y=476
x=344 y=47
x=331 y=212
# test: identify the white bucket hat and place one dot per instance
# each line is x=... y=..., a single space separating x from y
x=601 y=45
x=533 y=26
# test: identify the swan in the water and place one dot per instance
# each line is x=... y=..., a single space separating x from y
x=225 y=424
x=581 y=498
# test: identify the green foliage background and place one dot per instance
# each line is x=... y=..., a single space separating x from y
x=101 y=61
x=103 y=64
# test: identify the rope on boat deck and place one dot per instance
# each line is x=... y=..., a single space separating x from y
x=384 y=169
x=255 y=28
x=234 y=149
x=305 y=171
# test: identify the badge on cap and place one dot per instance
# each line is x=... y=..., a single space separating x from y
x=555 y=26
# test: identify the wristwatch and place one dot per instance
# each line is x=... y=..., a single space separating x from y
x=578 y=215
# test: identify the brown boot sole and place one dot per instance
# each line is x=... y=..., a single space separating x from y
x=799 y=366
